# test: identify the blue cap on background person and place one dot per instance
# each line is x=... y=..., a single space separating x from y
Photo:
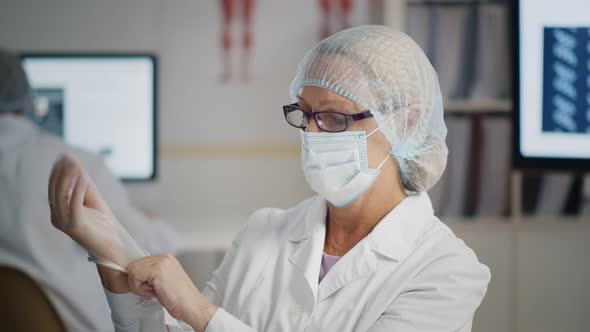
x=15 y=91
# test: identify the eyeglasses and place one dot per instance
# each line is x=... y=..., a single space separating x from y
x=328 y=121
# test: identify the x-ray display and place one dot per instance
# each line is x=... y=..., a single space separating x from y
x=48 y=110
x=553 y=83
x=566 y=79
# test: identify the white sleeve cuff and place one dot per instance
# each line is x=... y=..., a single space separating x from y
x=130 y=313
x=223 y=321
x=124 y=310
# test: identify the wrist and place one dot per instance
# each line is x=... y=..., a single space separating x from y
x=200 y=317
x=115 y=281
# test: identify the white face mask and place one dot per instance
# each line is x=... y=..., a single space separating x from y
x=336 y=166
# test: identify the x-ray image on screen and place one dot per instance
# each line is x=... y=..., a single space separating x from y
x=566 y=79
x=48 y=110
x=48 y=113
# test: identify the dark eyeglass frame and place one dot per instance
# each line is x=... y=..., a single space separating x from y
x=349 y=117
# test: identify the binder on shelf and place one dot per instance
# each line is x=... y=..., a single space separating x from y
x=458 y=138
x=495 y=168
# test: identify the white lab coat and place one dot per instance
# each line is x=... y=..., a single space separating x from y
x=30 y=243
x=409 y=274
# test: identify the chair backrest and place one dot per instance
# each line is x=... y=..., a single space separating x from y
x=24 y=306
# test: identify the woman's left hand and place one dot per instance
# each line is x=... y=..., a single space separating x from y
x=162 y=277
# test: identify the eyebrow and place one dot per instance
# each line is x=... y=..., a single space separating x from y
x=328 y=104
x=304 y=101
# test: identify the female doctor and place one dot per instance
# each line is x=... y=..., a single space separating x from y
x=366 y=254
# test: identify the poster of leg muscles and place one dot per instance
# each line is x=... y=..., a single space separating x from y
x=238 y=12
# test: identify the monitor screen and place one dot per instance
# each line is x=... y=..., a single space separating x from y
x=104 y=104
x=552 y=84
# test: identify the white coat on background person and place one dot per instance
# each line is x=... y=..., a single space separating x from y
x=366 y=254
x=28 y=242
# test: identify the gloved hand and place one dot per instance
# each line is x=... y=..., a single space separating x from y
x=162 y=276
x=78 y=210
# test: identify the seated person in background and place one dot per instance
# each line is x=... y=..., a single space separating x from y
x=28 y=241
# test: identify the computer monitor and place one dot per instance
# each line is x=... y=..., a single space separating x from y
x=552 y=84
x=102 y=103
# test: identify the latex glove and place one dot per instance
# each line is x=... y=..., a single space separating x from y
x=162 y=276
x=78 y=210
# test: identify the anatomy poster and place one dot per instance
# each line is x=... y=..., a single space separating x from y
x=239 y=37
x=236 y=39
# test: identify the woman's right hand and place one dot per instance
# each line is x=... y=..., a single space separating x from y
x=78 y=210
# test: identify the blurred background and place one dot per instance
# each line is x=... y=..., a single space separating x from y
x=213 y=145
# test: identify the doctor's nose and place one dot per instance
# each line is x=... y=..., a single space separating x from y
x=312 y=126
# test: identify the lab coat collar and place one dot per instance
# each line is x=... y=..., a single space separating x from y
x=394 y=237
x=307 y=256
x=314 y=216
x=400 y=230
x=358 y=262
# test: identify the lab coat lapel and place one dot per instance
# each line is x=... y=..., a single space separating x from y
x=359 y=262
x=308 y=257
x=310 y=237
x=393 y=238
